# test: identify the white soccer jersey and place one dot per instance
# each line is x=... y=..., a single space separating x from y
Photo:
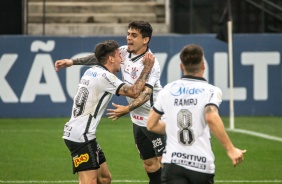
x=188 y=135
x=95 y=91
x=131 y=68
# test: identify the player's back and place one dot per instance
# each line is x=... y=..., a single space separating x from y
x=188 y=135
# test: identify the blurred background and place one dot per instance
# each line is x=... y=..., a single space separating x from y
x=103 y=17
x=36 y=33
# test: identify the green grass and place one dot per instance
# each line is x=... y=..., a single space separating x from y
x=33 y=150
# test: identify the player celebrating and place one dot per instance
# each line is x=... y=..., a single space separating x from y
x=95 y=90
x=191 y=108
x=149 y=144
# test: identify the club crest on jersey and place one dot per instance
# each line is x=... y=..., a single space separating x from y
x=133 y=73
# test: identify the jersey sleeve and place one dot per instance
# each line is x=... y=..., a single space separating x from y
x=215 y=97
x=110 y=83
x=158 y=105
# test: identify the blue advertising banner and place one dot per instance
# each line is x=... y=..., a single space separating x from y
x=30 y=86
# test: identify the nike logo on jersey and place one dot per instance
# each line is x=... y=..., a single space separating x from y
x=159 y=150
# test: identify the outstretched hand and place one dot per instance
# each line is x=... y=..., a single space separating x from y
x=120 y=110
x=63 y=63
x=236 y=155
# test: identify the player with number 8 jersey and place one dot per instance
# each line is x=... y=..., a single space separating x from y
x=191 y=108
x=188 y=97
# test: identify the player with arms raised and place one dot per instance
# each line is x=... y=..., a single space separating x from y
x=95 y=90
x=150 y=145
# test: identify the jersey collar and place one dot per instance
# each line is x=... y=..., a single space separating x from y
x=100 y=65
x=139 y=56
x=193 y=77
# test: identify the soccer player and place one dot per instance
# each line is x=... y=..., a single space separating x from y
x=95 y=90
x=150 y=145
x=191 y=108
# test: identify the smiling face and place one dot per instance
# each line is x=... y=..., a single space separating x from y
x=135 y=42
x=116 y=60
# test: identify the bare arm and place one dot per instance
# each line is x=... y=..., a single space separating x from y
x=154 y=124
x=217 y=128
x=62 y=63
x=134 y=90
x=87 y=60
x=121 y=110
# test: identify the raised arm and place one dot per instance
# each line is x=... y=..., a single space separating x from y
x=133 y=91
x=87 y=60
x=121 y=110
x=138 y=91
x=217 y=128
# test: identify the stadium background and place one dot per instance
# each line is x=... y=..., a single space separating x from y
x=32 y=149
x=29 y=82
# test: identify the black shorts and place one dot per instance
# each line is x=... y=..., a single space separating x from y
x=172 y=173
x=85 y=156
x=148 y=143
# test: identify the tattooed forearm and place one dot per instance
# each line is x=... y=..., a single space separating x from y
x=140 y=100
x=88 y=60
x=134 y=90
x=140 y=83
x=211 y=108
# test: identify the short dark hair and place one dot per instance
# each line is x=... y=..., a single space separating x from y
x=191 y=57
x=104 y=49
x=145 y=28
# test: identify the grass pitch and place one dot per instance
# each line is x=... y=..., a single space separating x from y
x=32 y=151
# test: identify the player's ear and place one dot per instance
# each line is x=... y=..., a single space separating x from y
x=110 y=59
x=203 y=66
x=146 y=40
x=181 y=67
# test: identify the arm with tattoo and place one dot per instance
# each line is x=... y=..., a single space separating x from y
x=121 y=110
x=63 y=63
x=88 y=60
x=141 y=99
x=134 y=90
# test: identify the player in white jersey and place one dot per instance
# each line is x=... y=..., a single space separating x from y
x=150 y=145
x=191 y=108
x=95 y=90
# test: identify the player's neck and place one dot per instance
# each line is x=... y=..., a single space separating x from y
x=110 y=68
x=141 y=50
x=194 y=74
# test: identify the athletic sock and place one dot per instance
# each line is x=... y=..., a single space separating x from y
x=155 y=177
